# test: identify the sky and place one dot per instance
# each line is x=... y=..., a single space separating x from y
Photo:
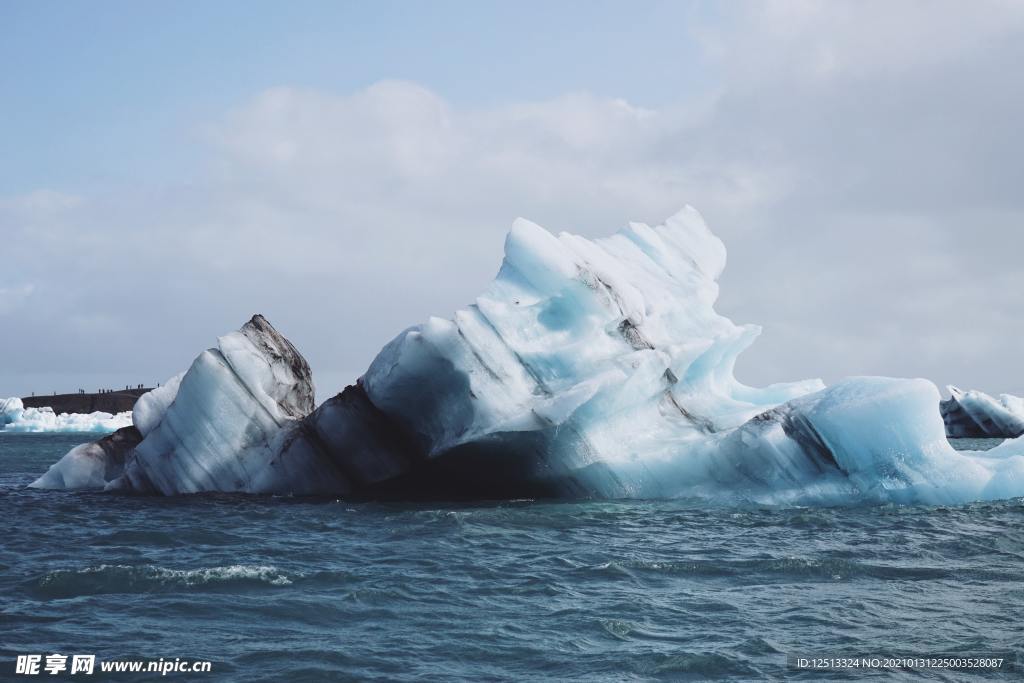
x=349 y=169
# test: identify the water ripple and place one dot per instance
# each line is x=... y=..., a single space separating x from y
x=288 y=589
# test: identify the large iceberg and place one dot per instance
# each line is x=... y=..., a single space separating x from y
x=15 y=417
x=589 y=368
x=976 y=414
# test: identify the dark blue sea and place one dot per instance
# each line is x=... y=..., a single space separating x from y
x=278 y=589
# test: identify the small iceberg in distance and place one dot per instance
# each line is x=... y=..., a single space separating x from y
x=975 y=414
x=587 y=369
x=15 y=417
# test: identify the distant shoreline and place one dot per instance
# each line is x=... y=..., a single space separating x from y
x=112 y=402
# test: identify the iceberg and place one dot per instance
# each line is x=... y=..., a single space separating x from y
x=587 y=369
x=15 y=417
x=976 y=414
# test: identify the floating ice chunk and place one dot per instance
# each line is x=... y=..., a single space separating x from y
x=10 y=410
x=865 y=439
x=15 y=417
x=976 y=414
x=91 y=465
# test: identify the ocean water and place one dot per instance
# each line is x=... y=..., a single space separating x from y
x=277 y=589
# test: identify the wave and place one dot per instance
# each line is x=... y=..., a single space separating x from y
x=119 y=578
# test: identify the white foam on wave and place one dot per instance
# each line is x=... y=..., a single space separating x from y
x=15 y=417
x=141 y=576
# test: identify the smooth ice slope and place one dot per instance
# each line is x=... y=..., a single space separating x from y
x=15 y=417
x=589 y=368
x=149 y=410
x=976 y=414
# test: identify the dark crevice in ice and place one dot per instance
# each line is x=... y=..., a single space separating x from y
x=799 y=428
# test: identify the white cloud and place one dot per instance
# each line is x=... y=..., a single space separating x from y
x=14 y=297
x=783 y=41
x=861 y=161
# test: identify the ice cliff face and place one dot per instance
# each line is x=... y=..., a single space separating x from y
x=589 y=368
x=976 y=414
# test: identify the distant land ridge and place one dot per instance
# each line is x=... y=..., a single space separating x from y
x=112 y=402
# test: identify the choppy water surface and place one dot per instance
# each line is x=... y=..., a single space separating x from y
x=290 y=590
